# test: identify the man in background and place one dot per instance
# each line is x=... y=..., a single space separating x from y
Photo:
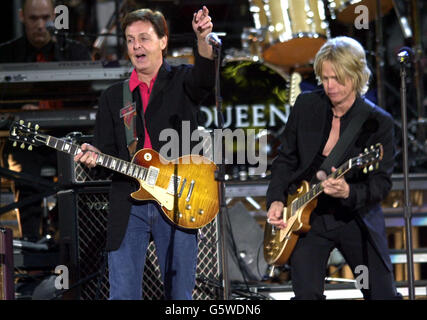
x=37 y=44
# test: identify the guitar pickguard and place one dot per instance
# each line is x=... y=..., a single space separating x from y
x=162 y=196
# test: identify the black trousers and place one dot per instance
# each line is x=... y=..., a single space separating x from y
x=310 y=257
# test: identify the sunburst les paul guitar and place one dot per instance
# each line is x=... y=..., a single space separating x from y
x=280 y=243
x=185 y=188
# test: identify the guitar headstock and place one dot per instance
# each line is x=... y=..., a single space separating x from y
x=23 y=133
x=370 y=157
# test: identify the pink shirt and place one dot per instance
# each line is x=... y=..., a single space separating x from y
x=145 y=97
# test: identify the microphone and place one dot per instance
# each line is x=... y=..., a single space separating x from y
x=213 y=40
x=50 y=27
x=405 y=54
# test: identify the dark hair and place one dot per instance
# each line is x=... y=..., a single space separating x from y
x=156 y=18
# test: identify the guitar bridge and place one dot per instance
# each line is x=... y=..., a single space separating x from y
x=190 y=192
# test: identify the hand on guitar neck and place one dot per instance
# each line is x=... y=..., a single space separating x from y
x=88 y=155
x=337 y=188
x=275 y=214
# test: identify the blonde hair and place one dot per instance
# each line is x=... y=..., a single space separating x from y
x=348 y=60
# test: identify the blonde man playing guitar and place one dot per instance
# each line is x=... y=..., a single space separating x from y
x=348 y=213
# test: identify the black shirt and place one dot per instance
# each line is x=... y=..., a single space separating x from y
x=20 y=50
x=328 y=208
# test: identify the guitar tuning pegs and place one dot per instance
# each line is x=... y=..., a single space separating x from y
x=371 y=168
x=377 y=166
x=15 y=144
x=22 y=145
x=29 y=125
x=30 y=147
x=366 y=150
x=36 y=127
x=365 y=170
x=21 y=122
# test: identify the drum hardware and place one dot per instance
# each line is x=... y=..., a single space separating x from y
x=252 y=39
x=403 y=22
x=294 y=30
x=418 y=66
x=344 y=10
x=379 y=54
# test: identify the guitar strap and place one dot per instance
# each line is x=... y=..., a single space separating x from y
x=128 y=113
x=346 y=140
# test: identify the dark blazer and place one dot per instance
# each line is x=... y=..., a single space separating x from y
x=175 y=97
x=302 y=140
x=20 y=50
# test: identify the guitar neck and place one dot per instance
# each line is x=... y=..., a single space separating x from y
x=317 y=189
x=104 y=160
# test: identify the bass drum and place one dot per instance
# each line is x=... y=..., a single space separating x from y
x=344 y=10
x=255 y=96
x=294 y=30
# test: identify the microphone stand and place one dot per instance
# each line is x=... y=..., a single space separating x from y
x=403 y=59
x=61 y=38
x=220 y=176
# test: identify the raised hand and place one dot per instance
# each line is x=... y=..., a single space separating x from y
x=202 y=26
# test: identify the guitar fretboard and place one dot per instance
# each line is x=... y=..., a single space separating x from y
x=317 y=189
x=115 y=164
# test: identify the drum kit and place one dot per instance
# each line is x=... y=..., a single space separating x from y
x=289 y=33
